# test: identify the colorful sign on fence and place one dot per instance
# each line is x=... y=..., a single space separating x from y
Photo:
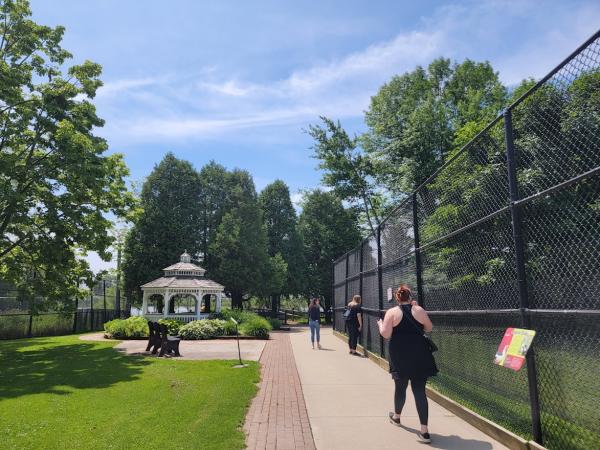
x=513 y=348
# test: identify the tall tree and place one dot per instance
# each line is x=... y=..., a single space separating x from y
x=56 y=183
x=348 y=170
x=214 y=180
x=169 y=224
x=328 y=230
x=413 y=118
x=240 y=245
x=283 y=237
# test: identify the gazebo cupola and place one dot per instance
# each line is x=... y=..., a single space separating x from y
x=182 y=292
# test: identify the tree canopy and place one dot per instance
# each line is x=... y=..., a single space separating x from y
x=328 y=230
x=56 y=183
x=283 y=236
x=170 y=222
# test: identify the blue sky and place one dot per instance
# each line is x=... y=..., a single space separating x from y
x=238 y=81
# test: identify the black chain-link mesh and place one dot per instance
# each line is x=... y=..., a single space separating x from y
x=467 y=345
x=562 y=232
x=397 y=233
x=471 y=241
x=472 y=186
x=472 y=270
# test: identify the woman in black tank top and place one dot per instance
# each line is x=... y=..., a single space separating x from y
x=409 y=357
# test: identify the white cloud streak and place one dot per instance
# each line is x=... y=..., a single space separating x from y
x=209 y=105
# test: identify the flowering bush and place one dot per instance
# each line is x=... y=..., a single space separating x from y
x=203 y=329
x=131 y=327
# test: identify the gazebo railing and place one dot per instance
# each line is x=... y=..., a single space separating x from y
x=181 y=317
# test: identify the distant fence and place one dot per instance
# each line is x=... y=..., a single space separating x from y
x=506 y=233
x=90 y=314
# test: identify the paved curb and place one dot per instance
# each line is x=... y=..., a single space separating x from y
x=502 y=435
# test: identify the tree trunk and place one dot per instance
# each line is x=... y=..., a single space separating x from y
x=274 y=305
x=236 y=300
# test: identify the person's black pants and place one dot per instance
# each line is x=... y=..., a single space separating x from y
x=418 y=389
x=353 y=334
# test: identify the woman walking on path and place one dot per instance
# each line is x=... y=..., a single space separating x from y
x=354 y=323
x=409 y=355
x=314 y=322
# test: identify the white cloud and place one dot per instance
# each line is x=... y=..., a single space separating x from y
x=119 y=86
x=205 y=104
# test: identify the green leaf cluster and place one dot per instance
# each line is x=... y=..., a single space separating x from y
x=57 y=185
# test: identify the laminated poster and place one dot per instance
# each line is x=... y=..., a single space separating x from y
x=513 y=348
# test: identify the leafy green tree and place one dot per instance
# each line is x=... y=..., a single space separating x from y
x=168 y=225
x=240 y=245
x=413 y=118
x=283 y=238
x=347 y=169
x=328 y=230
x=214 y=182
x=56 y=183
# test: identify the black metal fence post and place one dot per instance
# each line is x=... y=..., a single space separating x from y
x=380 y=285
x=418 y=262
x=104 y=299
x=517 y=231
x=332 y=302
x=75 y=315
x=92 y=310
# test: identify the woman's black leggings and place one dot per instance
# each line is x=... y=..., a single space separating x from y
x=418 y=388
x=353 y=335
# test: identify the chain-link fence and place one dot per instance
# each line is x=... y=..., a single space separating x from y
x=506 y=233
x=21 y=316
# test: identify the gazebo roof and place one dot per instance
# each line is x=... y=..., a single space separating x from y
x=184 y=266
x=183 y=275
x=192 y=283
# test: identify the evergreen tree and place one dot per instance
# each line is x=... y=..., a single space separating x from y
x=168 y=224
x=283 y=237
x=328 y=230
x=214 y=182
x=240 y=245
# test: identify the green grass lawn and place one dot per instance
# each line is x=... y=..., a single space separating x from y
x=64 y=393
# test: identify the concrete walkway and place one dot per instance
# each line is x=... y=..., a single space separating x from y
x=224 y=349
x=348 y=399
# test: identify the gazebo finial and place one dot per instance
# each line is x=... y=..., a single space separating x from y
x=185 y=257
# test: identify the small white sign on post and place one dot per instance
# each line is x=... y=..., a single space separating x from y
x=389 y=294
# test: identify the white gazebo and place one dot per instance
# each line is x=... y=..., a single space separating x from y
x=182 y=293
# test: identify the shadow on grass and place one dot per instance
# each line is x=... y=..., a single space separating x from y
x=35 y=366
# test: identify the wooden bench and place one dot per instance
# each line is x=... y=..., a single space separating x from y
x=159 y=339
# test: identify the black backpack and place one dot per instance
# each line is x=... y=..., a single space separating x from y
x=348 y=314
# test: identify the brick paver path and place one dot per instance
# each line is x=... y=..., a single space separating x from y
x=277 y=418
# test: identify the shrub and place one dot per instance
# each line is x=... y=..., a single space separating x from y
x=240 y=316
x=173 y=325
x=203 y=329
x=115 y=329
x=230 y=328
x=134 y=326
x=256 y=326
x=275 y=323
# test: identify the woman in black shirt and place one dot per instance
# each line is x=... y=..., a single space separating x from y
x=314 y=322
x=354 y=323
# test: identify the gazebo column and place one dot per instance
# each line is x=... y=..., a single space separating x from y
x=166 y=306
x=144 y=303
x=219 y=302
x=198 y=303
